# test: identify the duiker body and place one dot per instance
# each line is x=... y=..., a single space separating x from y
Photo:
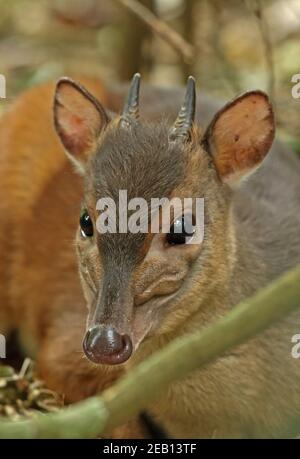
x=143 y=290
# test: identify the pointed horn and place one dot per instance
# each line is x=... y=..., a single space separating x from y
x=186 y=116
x=131 y=108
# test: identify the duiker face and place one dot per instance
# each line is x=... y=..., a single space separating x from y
x=135 y=283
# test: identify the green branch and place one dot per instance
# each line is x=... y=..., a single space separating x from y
x=134 y=392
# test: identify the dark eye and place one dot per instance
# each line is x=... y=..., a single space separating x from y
x=86 y=225
x=180 y=231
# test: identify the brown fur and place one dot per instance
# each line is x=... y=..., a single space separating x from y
x=252 y=236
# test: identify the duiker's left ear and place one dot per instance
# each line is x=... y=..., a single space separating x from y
x=79 y=118
x=240 y=136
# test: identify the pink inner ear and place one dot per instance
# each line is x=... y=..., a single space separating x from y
x=242 y=135
x=78 y=118
x=75 y=134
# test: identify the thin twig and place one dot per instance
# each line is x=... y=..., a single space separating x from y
x=151 y=378
x=179 y=44
x=228 y=74
x=257 y=8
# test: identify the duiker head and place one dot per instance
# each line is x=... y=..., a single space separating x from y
x=139 y=284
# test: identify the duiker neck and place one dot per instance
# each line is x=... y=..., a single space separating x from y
x=249 y=271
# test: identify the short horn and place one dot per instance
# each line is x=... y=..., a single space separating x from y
x=131 y=108
x=182 y=126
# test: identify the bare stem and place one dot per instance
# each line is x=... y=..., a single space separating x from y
x=185 y=49
x=257 y=8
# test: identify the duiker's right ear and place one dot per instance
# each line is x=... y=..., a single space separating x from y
x=240 y=136
x=79 y=118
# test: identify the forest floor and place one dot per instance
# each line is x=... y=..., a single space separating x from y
x=22 y=393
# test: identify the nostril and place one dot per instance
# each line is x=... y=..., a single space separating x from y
x=105 y=345
x=127 y=347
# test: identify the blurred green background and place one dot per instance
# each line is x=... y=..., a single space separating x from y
x=237 y=45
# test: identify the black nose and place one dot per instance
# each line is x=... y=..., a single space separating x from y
x=105 y=345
